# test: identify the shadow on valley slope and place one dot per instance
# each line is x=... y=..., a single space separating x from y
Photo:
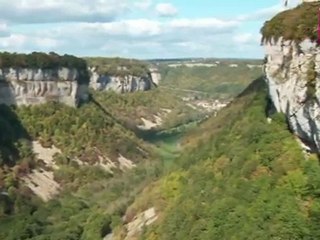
x=14 y=142
x=110 y=115
x=12 y=132
x=256 y=85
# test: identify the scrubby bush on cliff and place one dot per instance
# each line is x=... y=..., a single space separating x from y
x=295 y=24
x=311 y=80
x=118 y=66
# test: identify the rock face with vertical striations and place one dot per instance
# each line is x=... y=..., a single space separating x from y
x=123 y=83
x=293 y=70
x=27 y=85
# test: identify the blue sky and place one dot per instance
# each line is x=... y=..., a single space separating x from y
x=137 y=28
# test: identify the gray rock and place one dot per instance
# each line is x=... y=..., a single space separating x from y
x=123 y=84
x=286 y=74
x=25 y=86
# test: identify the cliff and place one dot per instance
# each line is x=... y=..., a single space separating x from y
x=292 y=69
x=38 y=78
x=122 y=83
x=122 y=75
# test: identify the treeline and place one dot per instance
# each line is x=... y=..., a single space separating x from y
x=40 y=60
x=295 y=24
x=119 y=66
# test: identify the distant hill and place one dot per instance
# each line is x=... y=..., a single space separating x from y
x=221 y=79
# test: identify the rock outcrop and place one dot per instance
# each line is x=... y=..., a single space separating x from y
x=292 y=69
x=125 y=83
x=155 y=75
x=292 y=73
x=25 y=86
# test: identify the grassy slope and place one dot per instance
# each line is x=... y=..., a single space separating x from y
x=239 y=178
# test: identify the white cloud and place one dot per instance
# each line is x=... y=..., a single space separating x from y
x=21 y=42
x=134 y=38
x=166 y=10
x=145 y=28
x=31 y=11
x=13 y=41
x=99 y=28
x=262 y=14
x=4 y=30
x=128 y=28
x=143 y=4
x=266 y=13
x=247 y=38
x=203 y=23
x=3 y=27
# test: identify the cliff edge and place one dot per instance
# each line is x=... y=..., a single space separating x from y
x=122 y=75
x=38 y=77
x=292 y=67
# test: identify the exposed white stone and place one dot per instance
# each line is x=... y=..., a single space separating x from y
x=286 y=71
x=123 y=84
x=145 y=218
x=155 y=75
x=26 y=86
x=125 y=163
x=41 y=181
x=46 y=154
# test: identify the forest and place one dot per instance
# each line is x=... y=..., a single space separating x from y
x=239 y=177
x=40 y=60
x=232 y=176
x=118 y=66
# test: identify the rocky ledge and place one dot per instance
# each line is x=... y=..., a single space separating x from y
x=123 y=83
x=27 y=79
x=292 y=69
x=292 y=73
x=26 y=86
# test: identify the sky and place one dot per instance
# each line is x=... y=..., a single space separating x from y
x=144 y=29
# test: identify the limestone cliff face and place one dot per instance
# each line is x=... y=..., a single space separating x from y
x=25 y=86
x=292 y=73
x=123 y=84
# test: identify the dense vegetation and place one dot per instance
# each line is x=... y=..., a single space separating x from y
x=40 y=60
x=295 y=24
x=236 y=176
x=222 y=82
x=89 y=193
x=118 y=66
x=130 y=108
x=86 y=209
x=239 y=177
x=311 y=80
